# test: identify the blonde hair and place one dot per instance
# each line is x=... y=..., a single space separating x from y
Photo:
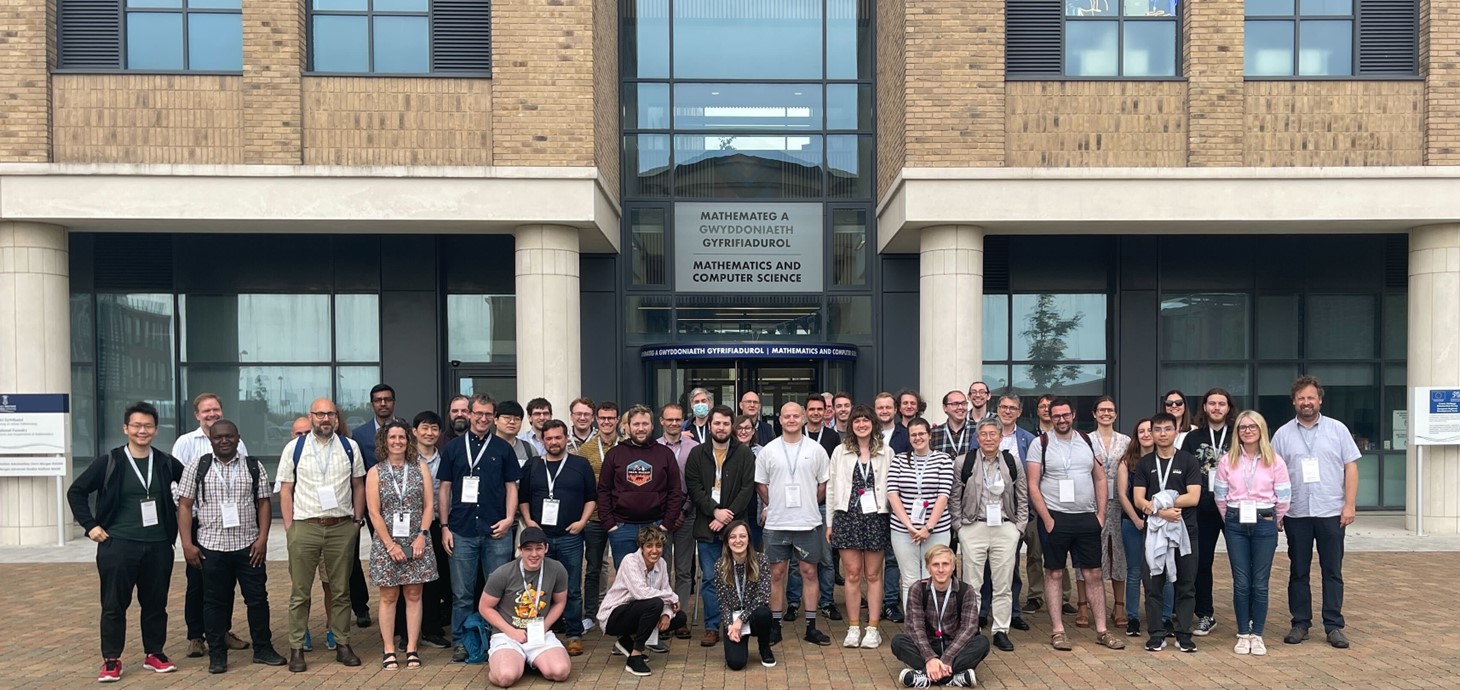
x=1264 y=445
x=939 y=550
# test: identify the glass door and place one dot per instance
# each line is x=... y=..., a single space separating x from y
x=500 y=382
x=780 y=382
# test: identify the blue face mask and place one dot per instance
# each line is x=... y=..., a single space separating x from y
x=701 y=410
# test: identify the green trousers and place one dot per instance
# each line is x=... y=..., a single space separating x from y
x=310 y=546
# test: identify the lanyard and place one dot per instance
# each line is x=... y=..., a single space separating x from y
x=940 y=608
x=230 y=473
x=1216 y=445
x=1108 y=447
x=1248 y=472
x=819 y=432
x=1069 y=451
x=957 y=447
x=147 y=482
x=552 y=477
x=785 y=453
x=599 y=441
x=866 y=469
x=322 y=459
x=700 y=432
x=399 y=486
x=719 y=456
x=990 y=462
x=740 y=583
x=477 y=460
x=1167 y=474
x=537 y=591
x=920 y=465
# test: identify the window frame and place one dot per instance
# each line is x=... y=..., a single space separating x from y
x=1119 y=19
x=1296 y=19
x=370 y=13
x=121 y=17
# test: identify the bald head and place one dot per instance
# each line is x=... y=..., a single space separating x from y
x=324 y=417
x=793 y=416
x=300 y=427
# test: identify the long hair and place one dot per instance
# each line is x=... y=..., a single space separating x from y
x=1133 y=450
x=1202 y=414
x=1264 y=445
x=849 y=439
x=1184 y=421
x=412 y=455
x=725 y=569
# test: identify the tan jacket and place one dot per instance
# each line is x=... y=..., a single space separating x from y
x=968 y=497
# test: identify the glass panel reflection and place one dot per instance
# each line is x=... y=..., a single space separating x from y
x=646 y=38
x=1091 y=8
x=1278 y=326
x=256 y=328
x=357 y=328
x=341 y=44
x=730 y=39
x=154 y=40
x=215 y=42
x=646 y=106
x=747 y=106
x=1268 y=8
x=849 y=319
x=1150 y=49
x=1325 y=48
x=352 y=394
x=1314 y=8
x=647 y=250
x=1268 y=51
x=1204 y=326
x=741 y=166
x=1052 y=327
x=648 y=318
x=1341 y=326
x=849 y=247
x=646 y=157
x=135 y=361
x=1091 y=49
x=401 y=45
x=480 y=328
x=996 y=327
x=849 y=106
x=264 y=401
x=849 y=166
x=849 y=39
x=719 y=316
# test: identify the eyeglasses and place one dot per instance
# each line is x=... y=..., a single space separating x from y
x=1067 y=415
x=918 y=434
x=142 y=427
x=960 y=403
x=666 y=421
x=608 y=419
x=1247 y=427
x=377 y=401
x=483 y=415
x=1105 y=410
x=322 y=415
x=1175 y=403
x=1008 y=408
x=975 y=391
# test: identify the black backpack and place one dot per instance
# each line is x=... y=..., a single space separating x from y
x=299 y=453
x=967 y=470
x=1044 y=447
x=206 y=462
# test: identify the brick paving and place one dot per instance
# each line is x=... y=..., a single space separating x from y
x=1403 y=638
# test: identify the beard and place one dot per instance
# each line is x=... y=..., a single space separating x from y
x=460 y=425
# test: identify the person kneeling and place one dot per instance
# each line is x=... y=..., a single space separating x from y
x=941 y=644
x=641 y=604
x=513 y=604
x=743 y=587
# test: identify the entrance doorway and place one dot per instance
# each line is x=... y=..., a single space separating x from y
x=498 y=381
x=777 y=382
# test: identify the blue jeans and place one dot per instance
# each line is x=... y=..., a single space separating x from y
x=1250 y=549
x=624 y=540
x=709 y=556
x=595 y=539
x=1135 y=558
x=471 y=556
x=891 y=582
x=568 y=550
x=825 y=577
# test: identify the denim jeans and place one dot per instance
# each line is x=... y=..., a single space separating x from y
x=473 y=557
x=568 y=550
x=709 y=556
x=1327 y=534
x=624 y=540
x=1250 y=549
x=595 y=540
x=1135 y=559
x=825 y=577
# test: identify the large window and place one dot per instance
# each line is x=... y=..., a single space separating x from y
x=158 y=35
x=1092 y=38
x=1047 y=343
x=1331 y=38
x=400 y=36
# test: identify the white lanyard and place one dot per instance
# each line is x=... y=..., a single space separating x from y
x=599 y=441
x=1107 y=447
x=740 y=584
x=957 y=447
x=1069 y=452
x=785 y=452
x=1167 y=475
x=866 y=470
x=477 y=460
x=552 y=477
x=230 y=473
x=990 y=463
x=147 y=482
x=719 y=461
x=322 y=460
x=1212 y=436
x=399 y=486
x=537 y=591
x=918 y=469
x=1248 y=471
x=940 y=608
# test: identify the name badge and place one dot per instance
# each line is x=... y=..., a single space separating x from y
x=920 y=512
x=869 y=502
x=1067 y=490
x=993 y=514
x=793 y=495
x=327 y=500
x=744 y=623
x=715 y=494
x=653 y=636
x=400 y=526
x=469 y=487
x=1212 y=480
x=230 y=515
x=1310 y=470
x=549 y=512
x=149 y=513
x=536 y=632
x=1247 y=512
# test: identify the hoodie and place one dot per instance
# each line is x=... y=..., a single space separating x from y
x=640 y=483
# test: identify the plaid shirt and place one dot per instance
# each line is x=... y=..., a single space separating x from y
x=951 y=442
x=960 y=625
x=226 y=482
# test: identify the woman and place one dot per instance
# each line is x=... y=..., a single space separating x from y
x=1174 y=402
x=857 y=520
x=641 y=601
x=1253 y=492
x=920 y=485
x=1133 y=529
x=398 y=495
x=941 y=626
x=745 y=434
x=1110 y=447
x=743 y=588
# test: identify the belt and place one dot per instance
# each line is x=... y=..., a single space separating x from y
x=328 y=521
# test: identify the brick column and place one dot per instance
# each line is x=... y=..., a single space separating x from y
x=1216 y=96
x=950 y=311
x=1439 y=45
x=954 y=83
x=26 y=49
x=273 y=57
x=549 y=363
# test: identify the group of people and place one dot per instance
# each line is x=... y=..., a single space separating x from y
x=493 y=531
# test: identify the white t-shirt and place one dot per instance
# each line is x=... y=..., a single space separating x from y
x=802 y=465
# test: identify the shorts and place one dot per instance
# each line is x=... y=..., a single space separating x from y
x=805 y=544
x=1075 y=534
x=500 y=642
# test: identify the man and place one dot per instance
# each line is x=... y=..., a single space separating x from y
x=521 y=602
x=509 y=424
x=750 y=405
x=539 y=412
x=698 y=425
x=978 y=402
x=1169 y=469
x=478 y=506
x=990 y=508
x=1015 y=440
x=1323 y=460
x=791 y=476
x=841 y=411
x=207 y=409
x=382 y=403
x=1067 y=491
x=230 y=493
x=1041 y=410
x=436 y=594
x=941 y=644
x=682 y=540
x=638 y=485
x=894 y=435
x=825 y=571
x=595 y=538
x=910 y=406
x=322 y=499
x=458 y=414
x=953 y=437
x=1209 y=443
x=134 y=526
x=558 y=494
x=720 y=476
x=580 y=414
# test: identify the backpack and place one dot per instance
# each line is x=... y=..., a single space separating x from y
x=299 y=453
x=1044 y=447
x=206 y=462
x=967 y=470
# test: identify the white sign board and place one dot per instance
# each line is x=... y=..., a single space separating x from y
x=33 y=441
x=738 y=247
x=1435 y=416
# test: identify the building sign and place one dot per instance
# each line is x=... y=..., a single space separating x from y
x=1436 y=416
x=749 y=351
x=33 y=440
x=739 y=247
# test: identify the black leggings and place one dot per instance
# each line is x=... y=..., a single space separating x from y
x=738 y=653
x=639 y=620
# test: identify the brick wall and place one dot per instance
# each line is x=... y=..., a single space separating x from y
x=891 y=93
x=1096 y=124
x=1440 y=58
x=142 y=118
x=542 y=91
x=273 y=57
x=1212 y=54
x=1346 y=123
x=955 y=83
x=25 y=54
x=397 y=121
x=606 y=93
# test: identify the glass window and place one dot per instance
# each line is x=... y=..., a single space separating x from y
x=748 y=166
x=997 y=378
x=341 y=43
x=83 y=415
x=849 y=319
x=849 y=166
x=155 y=40
x=646 y=38
x=263 y=401
x=996 y=327
x=1311 y=38
x=722 y=316
x=1396 y=325
x=1196 y=379
x=401 y=45
x=646 y=106
x=203 y=35
x=761 y=107
x=255 y=328
x=1396 y=408
x=1092 y=49
x=646 y=156
x=1204 y=326
x=1395 y=486
x=849 y=106
x=1368 y=495
x=849 y=247
x=1120 y=38
x=1351 y=394
x=649 y=317
x=1149 y=50
x=1341 y=326
x=647 y=248
x=1278 y=326
x=1274 y=393
x=370 y=36
x=716 y=39
x=352 y=394
x=480 y=328
x=1058 y=328
x=848 y=39
x=135 y=361
x=1062 y=379
x=215 y=41
x=357 y=328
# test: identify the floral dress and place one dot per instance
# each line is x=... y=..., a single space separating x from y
x=853 y=529
x=383 y=571
x=1112 y=543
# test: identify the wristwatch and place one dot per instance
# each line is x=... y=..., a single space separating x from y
x=425 y=532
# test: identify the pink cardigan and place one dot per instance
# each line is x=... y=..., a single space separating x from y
x=1269 y=484
x=634 y=583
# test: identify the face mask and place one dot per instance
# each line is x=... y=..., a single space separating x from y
x=701 y=409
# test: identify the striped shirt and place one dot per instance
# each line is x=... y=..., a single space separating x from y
x=936 y=481
x=225 y=483
x=321 y=465
x=195 y=444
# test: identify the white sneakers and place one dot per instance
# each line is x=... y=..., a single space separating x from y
x=871 y=639
x=854 y=636
x=1259 y=648
x=1244 y=645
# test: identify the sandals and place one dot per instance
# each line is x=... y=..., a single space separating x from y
x=413 y=660
x=1082 y=617
x=1060 y=641
x=388 y=662
x=1110 y=641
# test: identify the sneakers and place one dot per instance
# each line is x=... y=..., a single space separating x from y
x=329 y=640
x=775 y=634
x=962 y=679
x=622 y=645
x=1204 y=626
x=1157 y=642
x=854 y=636
x=436 y=640
x=1337 y=638
x=767 y=657
x=308 y=644
x=197 y=648
x=458 y=655
x=234 y=642
x=111 y=671
x=1259 y=648
x=638 y=665
x=1243 y=646
x=892 y=613
x=821 y=639
x=871 y=639
x=1186 y=644
x=159 y=663
x=830 y=611
x=587 y=624
x=658 y=647
x=914 y=679
x=1032 y=604
x=1169 y=626
x=1133 y=628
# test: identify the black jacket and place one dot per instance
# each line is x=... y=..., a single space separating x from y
x=106 y=483
x=737 y=485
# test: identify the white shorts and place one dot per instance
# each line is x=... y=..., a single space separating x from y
x=528 y=652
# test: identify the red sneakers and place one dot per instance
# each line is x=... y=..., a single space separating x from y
x=159 y=663
x=111 y=671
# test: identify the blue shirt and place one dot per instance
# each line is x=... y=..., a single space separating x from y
x=497 y=467
x=573 y=486
x=1330 y=443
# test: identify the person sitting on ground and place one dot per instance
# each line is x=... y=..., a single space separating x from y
x=641 y=605
x=513 y=605
x=941 y=644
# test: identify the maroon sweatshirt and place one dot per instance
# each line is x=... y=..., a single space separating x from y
x=640 y=484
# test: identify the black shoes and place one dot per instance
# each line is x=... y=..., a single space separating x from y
x=1337 y=638
x=638 y=665
x=892 y=613
x=1133 y=628
x=767 y=657
x=217 y=664
x=1002 y=641
x=346 y=656
x=1069 y=609
x=459 y=655
x=1157 y=642
x=775 y=634
x=817 y=637
x=1296 y=635
x=268 y=657
x=791 y=610
x=1033 y=604
x=296 y=661
x=1186 y=644
x=1018 y=623
x=830 y=611
x=436 y=640
x=362 y=619
x=983 y=622
x=1169 y=626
